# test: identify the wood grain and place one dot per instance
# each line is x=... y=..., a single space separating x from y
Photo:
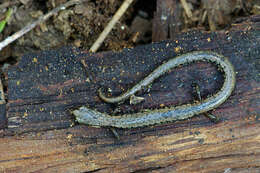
x=41 y=137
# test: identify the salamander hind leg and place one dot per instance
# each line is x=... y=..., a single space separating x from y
x=196 y=88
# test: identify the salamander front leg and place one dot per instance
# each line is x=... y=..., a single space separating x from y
x=135 y=100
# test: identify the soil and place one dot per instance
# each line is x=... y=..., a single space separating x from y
x=80 y=25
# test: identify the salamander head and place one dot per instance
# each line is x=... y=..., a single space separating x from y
x=87 y=116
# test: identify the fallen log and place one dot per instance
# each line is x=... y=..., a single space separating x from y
x=43 y=87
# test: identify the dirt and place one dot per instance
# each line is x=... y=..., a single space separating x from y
x=80 y=25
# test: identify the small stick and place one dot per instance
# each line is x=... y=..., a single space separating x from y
x=41 y=19
x=186 y=8
x=110 y=25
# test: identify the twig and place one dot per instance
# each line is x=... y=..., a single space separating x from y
x=186 y=8
x=41 y=19
x=8 y=4
x=110 y=25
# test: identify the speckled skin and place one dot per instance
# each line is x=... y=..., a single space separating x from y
x=91 y=117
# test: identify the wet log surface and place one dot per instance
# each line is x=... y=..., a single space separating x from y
x=43 y=87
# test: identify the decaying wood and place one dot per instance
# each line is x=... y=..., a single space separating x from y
x=167 y=21
x=3 y=119
x=44 y=86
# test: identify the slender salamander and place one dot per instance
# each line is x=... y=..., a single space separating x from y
x=92 y=117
